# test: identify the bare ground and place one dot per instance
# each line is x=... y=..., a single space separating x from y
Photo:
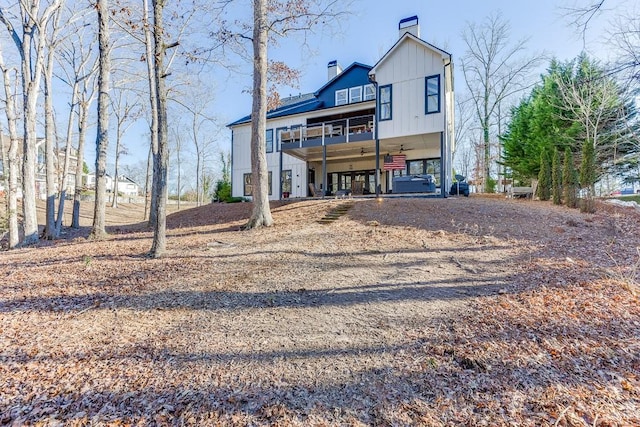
x=469 y=311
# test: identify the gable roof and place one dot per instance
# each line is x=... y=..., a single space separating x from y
x=316 y=100
x=407 y=36
x=340 y=76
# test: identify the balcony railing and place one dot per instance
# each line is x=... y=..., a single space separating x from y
x=359 y=128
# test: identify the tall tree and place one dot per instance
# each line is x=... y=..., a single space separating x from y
x=125 y=111
x=78 y=66
x=50 y=140
x=98 y=230
x=271 y=19
x=160 y=161
x=10 y=160
x=493 y=70
x=31 y=47
x=261 y=214
x=87 y=95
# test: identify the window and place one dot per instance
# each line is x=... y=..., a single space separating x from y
x=248 y=188
x=286 y=181
x=369 y=92
x=432 y=94
x=247 y=184
x=269 y=140
x=355 y=94
x=341 y=97
x=385 y=102
x=425 y=166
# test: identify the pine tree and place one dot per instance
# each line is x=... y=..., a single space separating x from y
x=544 y=177
x=569 y=180
x=556 y=178
x=588 y=176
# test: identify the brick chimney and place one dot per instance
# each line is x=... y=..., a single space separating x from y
x=409 y=25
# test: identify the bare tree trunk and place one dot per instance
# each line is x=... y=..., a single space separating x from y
x=83 y=108
x=147 y=183
x=153 y=100
x=31 y=49
x=102 y=139
x=11 y=159
x=159 y=244
x=114 y=202
x=67 y=160
x=261 y=214
x=50 y=135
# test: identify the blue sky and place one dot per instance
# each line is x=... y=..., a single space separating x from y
x=373 y=28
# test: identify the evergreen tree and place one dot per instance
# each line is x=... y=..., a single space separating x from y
x=544 y=177
x=556 y=178
x=569 y=180
x=588 y=176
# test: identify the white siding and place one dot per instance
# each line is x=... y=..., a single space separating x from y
x=242 y=161
x=406 y=69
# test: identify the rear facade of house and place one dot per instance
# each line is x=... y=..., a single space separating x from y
x=386 y=128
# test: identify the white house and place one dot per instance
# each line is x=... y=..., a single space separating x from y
x=370 y=129
x=126 y=186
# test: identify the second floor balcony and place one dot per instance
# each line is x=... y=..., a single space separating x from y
x=341 y=131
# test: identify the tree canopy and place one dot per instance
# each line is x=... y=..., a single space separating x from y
x=576 y=102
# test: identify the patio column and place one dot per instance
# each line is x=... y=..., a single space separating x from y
x=324 y=170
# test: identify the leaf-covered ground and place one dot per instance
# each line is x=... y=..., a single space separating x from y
x=462 y=311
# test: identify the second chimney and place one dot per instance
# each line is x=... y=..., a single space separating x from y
x=409 y=25
x=333 y=69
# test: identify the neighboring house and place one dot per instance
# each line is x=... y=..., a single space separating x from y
x=126 y=186
x=395 y=118
x=41 y=177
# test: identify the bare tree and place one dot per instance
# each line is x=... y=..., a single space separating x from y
x=78 y=65
x=272 y=19
x=98 y=230
x=87 y=95
x=126 y=112
x=160 y=161
x=30 y=45
x=464 y=119
x=50 y=141
x=10 y=162
x=493 y=70
x=261 y=214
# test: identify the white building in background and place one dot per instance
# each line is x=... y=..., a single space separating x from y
x=125 y=187
x=389 y=124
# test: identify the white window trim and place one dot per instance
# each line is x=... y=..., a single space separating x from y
x=344 y=93
x=353 y=99
x=369 y=92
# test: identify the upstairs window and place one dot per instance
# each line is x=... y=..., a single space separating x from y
x=385 y=103
x=355 y=94
x=341 y=97
x=369 y=92
x=269 y=140
x=432 y=94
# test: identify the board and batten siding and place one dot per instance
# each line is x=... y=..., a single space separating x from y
x=405 y=70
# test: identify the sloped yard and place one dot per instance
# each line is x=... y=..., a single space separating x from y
x=463 y=311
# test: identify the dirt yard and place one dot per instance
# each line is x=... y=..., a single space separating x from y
x=430 y=312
